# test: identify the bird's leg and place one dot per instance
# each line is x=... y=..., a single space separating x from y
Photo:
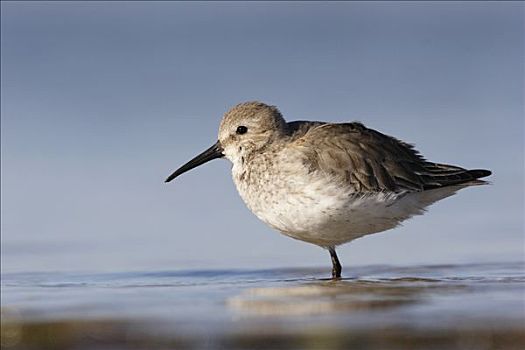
x=336 y=266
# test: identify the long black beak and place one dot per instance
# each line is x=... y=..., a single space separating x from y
x=211 y=153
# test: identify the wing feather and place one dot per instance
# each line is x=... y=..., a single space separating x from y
x=370 y=161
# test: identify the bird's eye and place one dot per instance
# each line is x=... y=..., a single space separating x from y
x=241 y=130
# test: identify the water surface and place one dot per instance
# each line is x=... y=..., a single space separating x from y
x=451 y=306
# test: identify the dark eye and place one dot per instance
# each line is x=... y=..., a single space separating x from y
x=241 y=130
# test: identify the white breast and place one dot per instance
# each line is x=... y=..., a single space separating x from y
x=317 y=210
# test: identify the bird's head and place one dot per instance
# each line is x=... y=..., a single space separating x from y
x=249 y=127
x=245 y=129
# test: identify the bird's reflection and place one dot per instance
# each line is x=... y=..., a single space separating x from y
x=327 y=297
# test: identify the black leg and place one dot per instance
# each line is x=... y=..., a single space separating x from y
x=336 y=266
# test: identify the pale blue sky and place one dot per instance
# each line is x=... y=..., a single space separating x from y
x=102 y=100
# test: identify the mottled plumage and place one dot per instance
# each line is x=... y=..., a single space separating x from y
x=369 y=161
x=326 y=183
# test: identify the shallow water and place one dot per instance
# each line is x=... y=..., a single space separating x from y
x=476 y=306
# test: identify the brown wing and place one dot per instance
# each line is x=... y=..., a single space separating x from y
x=371 y=162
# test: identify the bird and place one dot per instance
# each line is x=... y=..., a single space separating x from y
x=327 y=183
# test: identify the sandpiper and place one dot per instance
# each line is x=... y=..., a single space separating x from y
x=326 y=183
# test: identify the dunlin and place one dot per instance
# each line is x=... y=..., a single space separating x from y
x=327 y=183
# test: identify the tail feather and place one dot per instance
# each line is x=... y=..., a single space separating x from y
x=479 y=173
x=443 y=175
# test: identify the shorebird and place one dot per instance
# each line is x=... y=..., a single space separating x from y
x=327 y=183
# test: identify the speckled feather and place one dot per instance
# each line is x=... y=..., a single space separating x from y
x=369 y=161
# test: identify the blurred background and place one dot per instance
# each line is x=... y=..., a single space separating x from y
x=100 y=101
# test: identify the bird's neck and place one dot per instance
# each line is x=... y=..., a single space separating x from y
x=251 y=166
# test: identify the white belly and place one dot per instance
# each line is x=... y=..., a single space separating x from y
x=324 y=214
